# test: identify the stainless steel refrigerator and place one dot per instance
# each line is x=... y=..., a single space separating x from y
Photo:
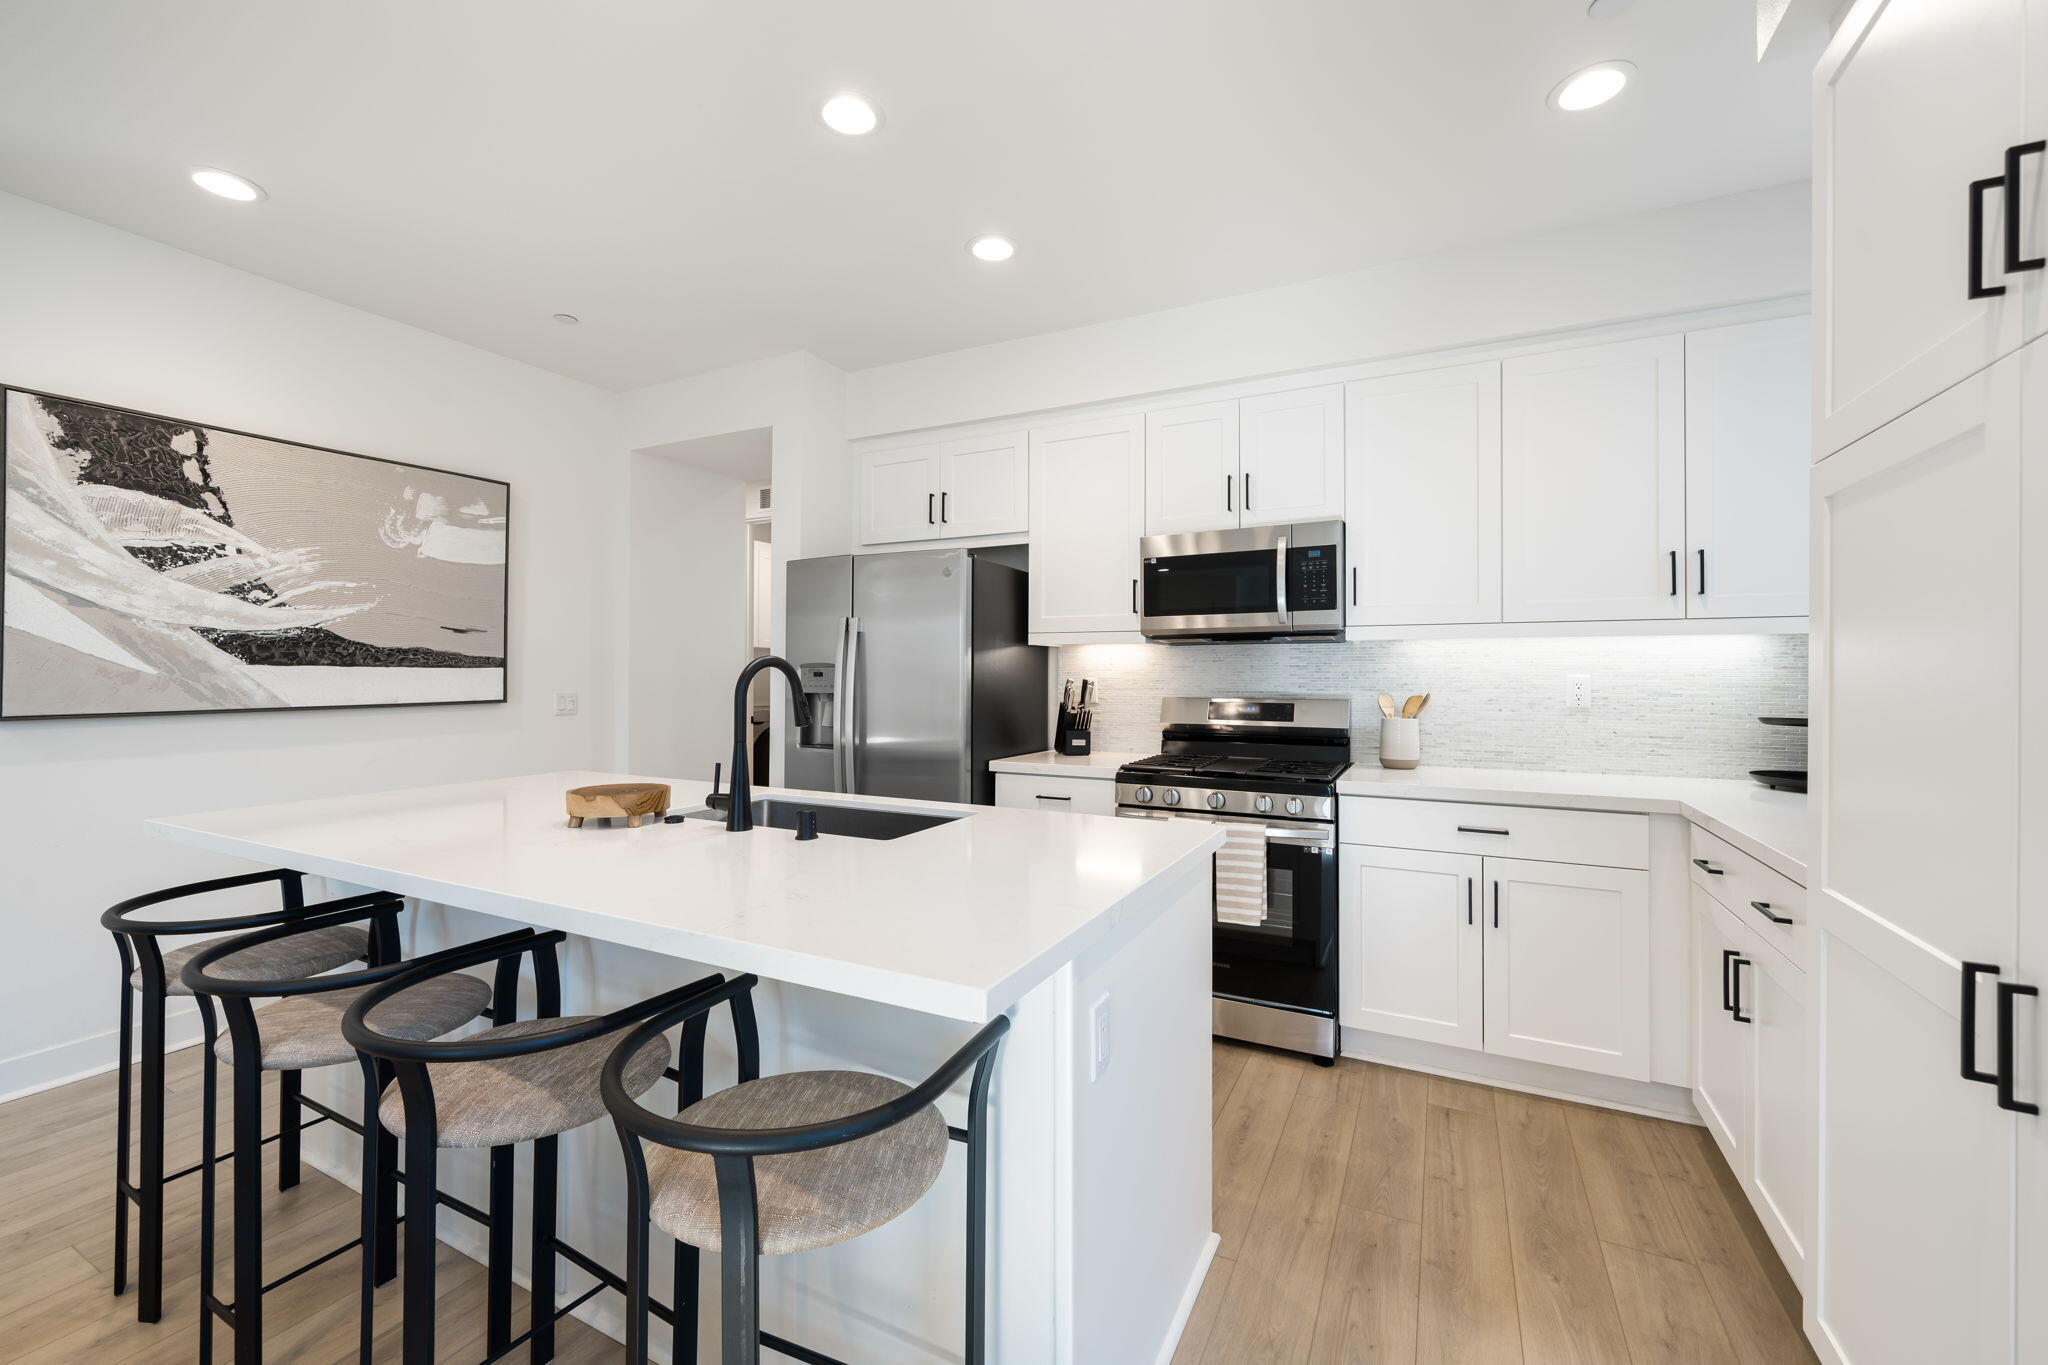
x=917 y=671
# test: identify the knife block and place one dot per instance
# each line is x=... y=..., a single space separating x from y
x=1074 y=743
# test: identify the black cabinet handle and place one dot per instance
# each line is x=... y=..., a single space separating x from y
x=1978 y=189
x=1674 y=573
x=1354 y=585
x=1247 y=492
x=1703 y=573
x=1480 y=829
x=1764 y=908
x=931 y=501
x=2014 y=262
x=1971 y=971
x=1735 y=989
x=2008 y=991
x=1496 y=905
x=1468 y=899
x=1229 y=484
x=1703 y=865
x=944 y=515
x=1043 y=797
x=1134 y=596
x=1728 y=955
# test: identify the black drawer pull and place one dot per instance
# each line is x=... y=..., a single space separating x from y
x=1043 y=797
x=1481 y=829
x=1978 y=189
x=931 y=504
x=1496 y=905
x=1728 y=955
x=2007 y=991
x=2014 y=262
x=1710 y=870
x=1764 y=908
x=1468 y=900
x=1971 y=971
x=1674 y=573
x=1735 y=990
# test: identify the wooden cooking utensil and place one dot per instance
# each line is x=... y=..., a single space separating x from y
x=1415 y=705
x=1387 y=706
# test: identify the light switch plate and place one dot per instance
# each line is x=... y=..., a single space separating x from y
x=1098 y=1039
x=566 y=703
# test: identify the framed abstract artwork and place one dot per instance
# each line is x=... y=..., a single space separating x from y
x=157 y=566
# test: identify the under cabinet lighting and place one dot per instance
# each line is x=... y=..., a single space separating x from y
x=227 y=185
x=1593 y=86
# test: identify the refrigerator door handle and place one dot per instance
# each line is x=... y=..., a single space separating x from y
x=840 y=681
x=849 y=691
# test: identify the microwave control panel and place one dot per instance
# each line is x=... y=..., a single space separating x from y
x=1312 y=578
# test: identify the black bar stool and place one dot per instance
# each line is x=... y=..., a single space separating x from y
x=150 y=973
x=301 y=1030
x=786 y=1163
x=520 y=1081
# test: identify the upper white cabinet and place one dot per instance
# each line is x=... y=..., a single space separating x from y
x=1291 y=456
x=1593 y=482
x=1422 y=500
x=1087 y=515
x=1915 y=101
x=1261 y=461
x=974 y=486
x=1191 y=469
x=1747 y=466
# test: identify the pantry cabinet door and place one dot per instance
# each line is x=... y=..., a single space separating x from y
x=1422 y=497
x=899 y=495
x=1410 y=942
x=1191 y=479
x=1722 y=1074
x=1568 y=965
x=1593 y=482
x=1087 y=516
x=984 y=486
x=1291 y=456
x=1748 y=438
x=1913 y=101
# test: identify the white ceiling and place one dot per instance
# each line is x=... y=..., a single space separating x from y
x=656 y=166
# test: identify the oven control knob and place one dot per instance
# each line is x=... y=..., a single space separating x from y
x=1294 y=805
x=1143 y=794
x=1171 y=798
x=1263 y=804
x=1216 y=800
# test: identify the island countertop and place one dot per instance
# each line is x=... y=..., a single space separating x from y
x=959 y=920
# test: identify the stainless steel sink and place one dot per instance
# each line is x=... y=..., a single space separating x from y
x=848 y=822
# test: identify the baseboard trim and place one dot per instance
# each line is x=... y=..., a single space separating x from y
x=1186 y=1310
x=30 y=1073
x=1651 y=1099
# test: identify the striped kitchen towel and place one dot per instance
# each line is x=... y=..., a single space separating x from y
x=1241 y=875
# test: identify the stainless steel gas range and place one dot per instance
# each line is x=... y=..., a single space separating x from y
x=1267 y=769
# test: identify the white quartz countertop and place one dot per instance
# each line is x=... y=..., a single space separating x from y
x=1768 y=825
x=959 y=920
x=1047 y=763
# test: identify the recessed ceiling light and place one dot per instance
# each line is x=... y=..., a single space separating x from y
x=991 y=247
x=1593 y=86
x=851 y=115
x=227 y=185
x=567 y=319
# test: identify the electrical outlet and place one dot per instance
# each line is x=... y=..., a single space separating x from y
x=1578 y=690
x=565 y=703
x=1098 y=1034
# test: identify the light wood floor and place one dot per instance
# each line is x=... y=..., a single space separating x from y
x=1367 y=1215
x=1375 y=1215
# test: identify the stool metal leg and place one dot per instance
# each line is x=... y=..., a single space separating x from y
x=637 y=1202
x=498 y=1256
x=422 y=1197
x=387 y=1181
x=740 y=1268
x=546 y=1170
x=246 y=1076
x=209 y=1180
x=149 y=1179
x=683 y=1341
x=376 y=1191
x=289 y=1119
x=125 y=1078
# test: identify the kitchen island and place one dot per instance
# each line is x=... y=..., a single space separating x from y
x=875 y=954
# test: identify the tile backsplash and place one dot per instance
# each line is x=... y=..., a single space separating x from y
x=1669 y=705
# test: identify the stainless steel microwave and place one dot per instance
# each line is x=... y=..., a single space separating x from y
x=1253 y=582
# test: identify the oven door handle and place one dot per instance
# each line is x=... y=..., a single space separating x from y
x=1303 y=840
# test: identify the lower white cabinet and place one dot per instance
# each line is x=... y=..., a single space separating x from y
x=1066 y=795
x=1548 y=962
x=1408 y=929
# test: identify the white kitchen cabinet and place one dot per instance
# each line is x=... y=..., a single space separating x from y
x=1566 y=948
x=1291 y=456
x=975 y=486
x=1723 y=1072
x=1913 y=101
x=1056 y=795
x=761 y=594
x=1422 y=497
x=1411 y=942
x=1087 y=516
x=1919 y=535
x=1748 y=438
x=1593 y=482
x=1191 y=469
x=1780 y=1173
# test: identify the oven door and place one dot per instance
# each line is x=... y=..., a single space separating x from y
x=1298 y=916
x=1208 y=583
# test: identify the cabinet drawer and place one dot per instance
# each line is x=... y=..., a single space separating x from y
x=1759 y=896
x=1074 y=795
x=1598 y=838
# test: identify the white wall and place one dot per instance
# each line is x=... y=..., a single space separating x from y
x=686 y=635
x=1738 y=249
x=95 y=313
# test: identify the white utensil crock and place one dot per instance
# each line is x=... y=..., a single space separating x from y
x=1400 y=741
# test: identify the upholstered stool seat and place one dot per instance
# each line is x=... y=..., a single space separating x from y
x=805 y=1199
x=301 y=1032
x=521 y=1099
x=307 y=954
